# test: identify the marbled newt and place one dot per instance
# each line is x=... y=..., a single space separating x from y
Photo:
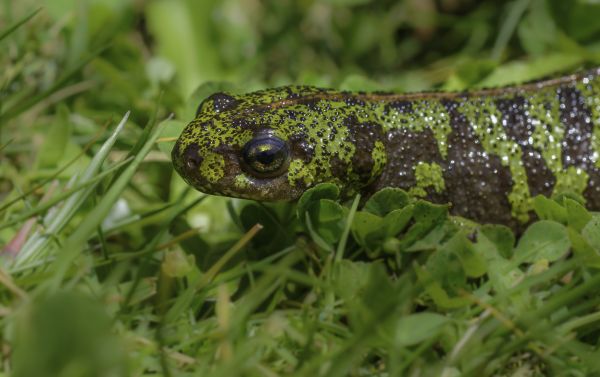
x=487 y=152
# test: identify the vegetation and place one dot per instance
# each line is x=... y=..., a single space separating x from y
x=111 y=266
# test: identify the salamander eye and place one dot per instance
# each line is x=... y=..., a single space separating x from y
x=265 y=156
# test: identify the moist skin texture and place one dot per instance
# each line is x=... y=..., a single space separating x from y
x=485 y=152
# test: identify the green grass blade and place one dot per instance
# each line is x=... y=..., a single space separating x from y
x=62 y=196
x=37 y=244
x=339 y=254
x=74 y=244
x=509 y=26
x=23 y=106
x=50 y=178
x=5 y=145
x=18 y=24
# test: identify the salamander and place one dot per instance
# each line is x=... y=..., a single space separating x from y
x=486 y=152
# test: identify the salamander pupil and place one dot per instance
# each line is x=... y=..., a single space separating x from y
x=265 y=156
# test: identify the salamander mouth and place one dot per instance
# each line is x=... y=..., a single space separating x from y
x=263 y=189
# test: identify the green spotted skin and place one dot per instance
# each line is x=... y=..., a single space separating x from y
x=485 y=152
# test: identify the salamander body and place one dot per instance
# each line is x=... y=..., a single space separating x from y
x=487 y=152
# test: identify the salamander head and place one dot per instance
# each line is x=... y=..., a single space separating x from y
x=274 y=144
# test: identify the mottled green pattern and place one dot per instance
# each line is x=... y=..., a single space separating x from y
x=486 y=152
x=428 y=175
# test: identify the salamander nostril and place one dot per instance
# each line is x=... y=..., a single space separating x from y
x=192 y=158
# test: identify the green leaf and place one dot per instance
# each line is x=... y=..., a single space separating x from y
x=427 y=216
x=544 y=239
x=356 y=82
x=473 y=263
x=326 y=217
x=581 y=248
x=502 y=238
x=415 y=328
x=434 y=289
x=386 y=201
x=313 y=194
x=470 y=72
x=395 y=221
x=548 y=209
x=426 y=212
x=522 y=71
x=591 y=232
x=351 y=278
x=503 y=274
x=577 y=215
x=561 y=196
x=445 y=267
x=367 y=229
x=431 y=240
x=316 y=237
x=368 y=289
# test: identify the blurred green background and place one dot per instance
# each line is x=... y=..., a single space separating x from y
x=89 y=61
x=173 y=46
x=71 y=72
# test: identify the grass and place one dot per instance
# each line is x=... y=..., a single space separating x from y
x=111 y=266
